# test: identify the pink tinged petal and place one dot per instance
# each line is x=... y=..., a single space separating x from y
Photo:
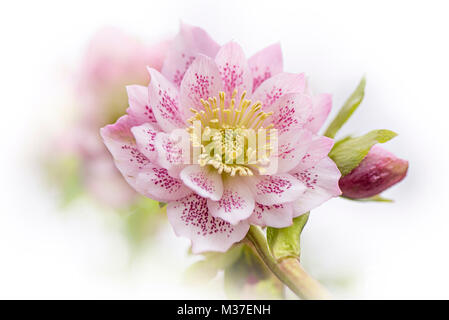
x=205 y=182
x=155 y=183
x=234 y=70
x=292 y=148
x=120 y=142
x=201 y=81
x=172 y=152
x=189 y=42
x=164 y=102
x=145 y=136
x=322 y=184
x=276 y=216
x=190 y=218
x=291 y=112
x=265 y=64
x=236 y=204
x=139 y=105
x=276 y=189
x=275 y=87
x=318 y=149
x=322 y=105
x=377 y=172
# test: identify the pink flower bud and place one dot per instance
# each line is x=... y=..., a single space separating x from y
x=377 y=172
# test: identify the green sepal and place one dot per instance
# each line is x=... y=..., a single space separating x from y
x=285 y=242
x=349 y=152
x=376 y=198
x=346 y=110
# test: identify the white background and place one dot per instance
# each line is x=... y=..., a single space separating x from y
x=395 y=250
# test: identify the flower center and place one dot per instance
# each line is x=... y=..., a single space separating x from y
x=231 y=137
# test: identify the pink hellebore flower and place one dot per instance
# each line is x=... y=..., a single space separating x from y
x=113 y=59
x=377 y=172
x=212 y=202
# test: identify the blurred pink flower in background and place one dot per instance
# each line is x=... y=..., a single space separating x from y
x=379 y=170
x=113 y=59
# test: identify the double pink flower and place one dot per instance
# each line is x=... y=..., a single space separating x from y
x=214 y=204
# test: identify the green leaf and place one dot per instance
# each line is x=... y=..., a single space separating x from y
x=347 y=109
x=349 y=152
x=285 y=242
x=376 y=198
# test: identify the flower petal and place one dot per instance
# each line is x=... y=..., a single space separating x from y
x=164 y=101
x=173 y=151
x=275 y=189
x=275 y=87
x=207 y=183
x=201 y=81
x=189 y=42
x=276 y=216
x=155 y=183
x=317 y=150
x=265 y=64
x=234 y=70
x=236 y=204
x=139 y=105
x=190 y=218
x=120 y=142
x=145 y=136
x=322 y=105
x=292 y=111
x=291 y=149
x=322 y=184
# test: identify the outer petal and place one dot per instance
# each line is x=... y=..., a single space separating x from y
x=291 y=112
x=234 y=70
x=189 y=42
x=292 y=148
x=317 y=150
x=236 y=204
x=201 y=81
x=322 y=105
x=276 y=189
x=155 y=183
x=173 y=151
x=190 y=218
x=164 y=101
x=207 y=183
x=322 y=184
x=139 y=105
x=275 y=87
x=145 y=136
x=276 y=216
x=120 y=142
x=265 y=64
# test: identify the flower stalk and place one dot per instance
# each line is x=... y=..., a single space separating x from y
x=288 y=270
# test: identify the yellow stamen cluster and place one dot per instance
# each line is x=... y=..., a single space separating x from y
x=225 y=125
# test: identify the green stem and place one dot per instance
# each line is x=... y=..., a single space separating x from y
x=287 y=270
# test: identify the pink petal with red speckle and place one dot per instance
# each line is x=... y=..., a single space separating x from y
x=139 y=105
x=189 y=42
x=321 y=182
x=317 y=150
x=236 y=204
x=322 y=105
x=275 y=87
x=120 y=142
x=234 y=70
x=276 y=216
x=204 y=181
x=201 y=81
x=145 y=136
x=291 y=149
x=164 y=101
x=155 y=183
x=173 y=152
x=275 y=189
x=291 y=112
x=190 y=218
x=265 y=64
